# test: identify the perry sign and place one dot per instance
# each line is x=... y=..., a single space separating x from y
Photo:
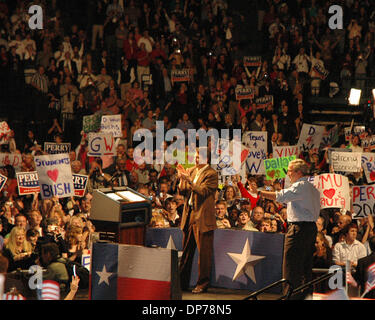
x=3 y=179
x=80 y=183
x=55 y=175
x=28 y=182
x=101 y=144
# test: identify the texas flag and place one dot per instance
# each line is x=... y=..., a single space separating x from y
x=129 y=272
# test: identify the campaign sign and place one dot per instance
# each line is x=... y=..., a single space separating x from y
x=111 y=124
x=243 y=93
x=363 y=201
x=28 y=182
x=368 y=142
x=252 y=61
x=55 y=148
x=334 y=191
x=180 y=75
x=276 y=168
x=264 y=102
x=3 y=180
x=13 y=159
x=361 y=131
x=285 y=151
x=368 y=165
x=91 y=123
x=55 y=175
x=80 y=183
x=321 y=72
x=310 y=137
x=101 y=144
x=256 y=142
x=346 y=161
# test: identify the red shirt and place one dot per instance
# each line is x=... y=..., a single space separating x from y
x=143 y=59
x=246 y=194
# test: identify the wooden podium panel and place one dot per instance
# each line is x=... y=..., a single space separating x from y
x=132 y=235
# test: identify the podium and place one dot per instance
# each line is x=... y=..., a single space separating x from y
x=120 y=214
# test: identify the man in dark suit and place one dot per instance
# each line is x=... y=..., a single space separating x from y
x=361 y=275
x=70 y=64
x=198 y=184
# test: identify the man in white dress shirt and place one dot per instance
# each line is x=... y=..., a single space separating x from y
x=303 y=208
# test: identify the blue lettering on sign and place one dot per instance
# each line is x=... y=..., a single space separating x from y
x=95 y=147
x=59 y=189
x=253 y=167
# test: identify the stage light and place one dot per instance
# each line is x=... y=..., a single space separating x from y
x=373 y=93
x=355 y=96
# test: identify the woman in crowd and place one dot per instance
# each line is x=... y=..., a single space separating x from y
x=19 y=250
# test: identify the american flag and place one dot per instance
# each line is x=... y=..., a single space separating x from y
x=350 y=280
x=10 y=296
x=50 y=290
x=370 y=283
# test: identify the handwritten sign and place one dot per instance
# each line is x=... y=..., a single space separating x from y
x=55 y=175
x=79 y=183
x=243 y=93
x=227 y=162
x=180 y=75
x=3 y=180
x=363 y=201
x=252 y=61
x=28 y=182
x=111 y=124
x=13 y=159
x=334 y=191
x=368 y=165
x=285 y=151
x=276 y=168
x=91 y=123
x=101 y=144
x=330 y=150
x=368 y=142
x=86 y=261
x=55 y=148
x=360 y=131
x=256 y=141
x=264 y=102
x=346 y=161
x=330 y=137
x=310 y=137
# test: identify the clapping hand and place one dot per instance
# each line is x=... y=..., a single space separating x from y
x=181 y=172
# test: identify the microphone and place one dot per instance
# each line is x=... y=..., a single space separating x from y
x=115 y=175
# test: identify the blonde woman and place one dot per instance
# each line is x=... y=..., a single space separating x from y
x=18 y=250
x=76 y=244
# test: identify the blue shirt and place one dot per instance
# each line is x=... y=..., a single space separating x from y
x=302 y=199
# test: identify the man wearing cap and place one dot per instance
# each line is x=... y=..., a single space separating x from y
x=303 y=208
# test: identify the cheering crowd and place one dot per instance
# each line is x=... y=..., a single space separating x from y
x=119 y=58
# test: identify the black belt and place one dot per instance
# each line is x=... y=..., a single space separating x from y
x=300 y=222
